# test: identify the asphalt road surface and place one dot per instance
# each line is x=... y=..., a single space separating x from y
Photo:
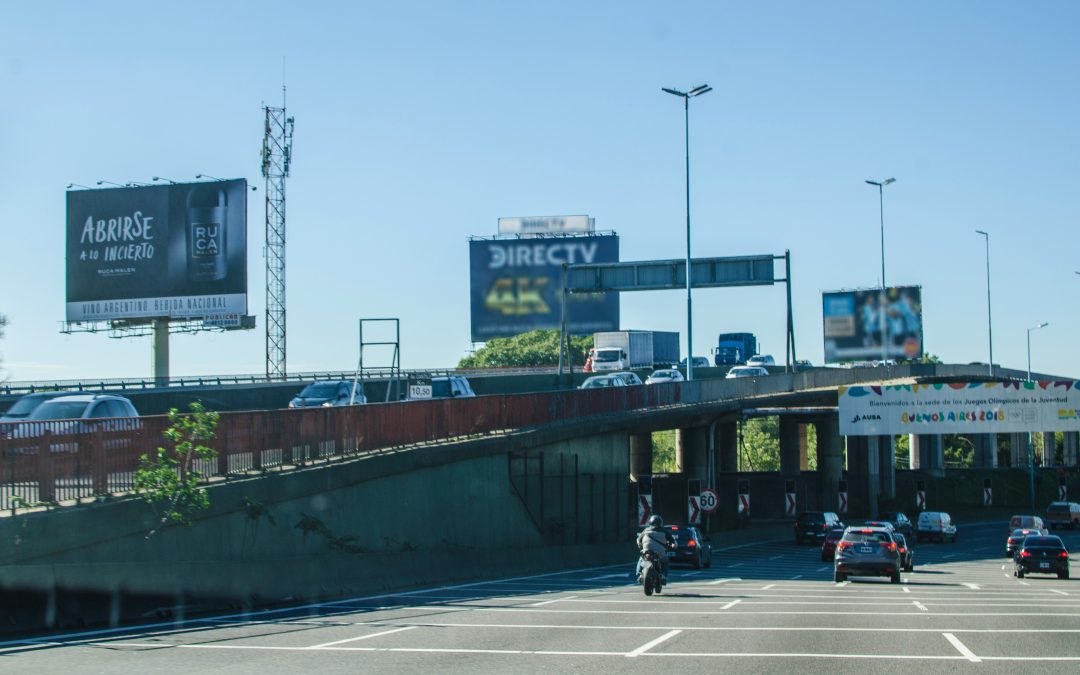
x=768 y=607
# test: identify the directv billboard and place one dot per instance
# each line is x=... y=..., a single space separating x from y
x=177 y=251
x=854 y=324
x=516 y=285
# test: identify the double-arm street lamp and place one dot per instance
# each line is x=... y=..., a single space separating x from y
x=989 y=322
x=1031 y=448
x=686 y=96
x=881 y=308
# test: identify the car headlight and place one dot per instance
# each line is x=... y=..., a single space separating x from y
x=328 y=404
x=292 y=403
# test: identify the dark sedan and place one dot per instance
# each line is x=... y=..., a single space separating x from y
x=690 y=547
x=828 y=547
x=900 y=522
x=1012 y=544
x=867 y=551
x=907 y=554
x=1045 y=554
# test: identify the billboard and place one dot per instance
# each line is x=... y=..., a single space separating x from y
x=960 y=408
x=546 y=224
x=515 y=285
x=854 y=324
x=177 y=251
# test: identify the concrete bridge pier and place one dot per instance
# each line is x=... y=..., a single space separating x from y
x=727 y=445
x=829 y=460
x=927 y=453
x=1018 y=452
x=793 y=458
x=1049 y=443
x=640 y=455
x=692 y=453
x=864 y=474
x=886 y=451
x=1071 y=448
x=985 y=451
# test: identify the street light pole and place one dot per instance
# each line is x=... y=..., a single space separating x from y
x=1031 y=448
x=881 y=305
x=686 y=96
x=989 y=321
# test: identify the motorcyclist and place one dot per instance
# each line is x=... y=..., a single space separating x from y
x=658 y=540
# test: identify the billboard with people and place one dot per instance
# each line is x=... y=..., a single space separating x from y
x=515 y=285
x=157 y=251
x=857 y=322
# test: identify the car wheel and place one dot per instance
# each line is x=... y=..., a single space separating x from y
x=896 y=578
x=839 y=577
x=697 y=561
x=1019 y=574
x=910 y=568
x=824 y=558
x=708 y=563
x=1063 y=575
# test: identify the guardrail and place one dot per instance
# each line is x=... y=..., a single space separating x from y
x=50 y=462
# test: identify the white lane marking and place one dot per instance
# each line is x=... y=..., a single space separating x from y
x=981 y=548
x=731 y=604
x=765 y=588
x=797 y=576
x=736 y=565
x=973 y=587
x=691 y=574
x=777 y=557
x=822 y=569
x=906 y=589
x=1022 y=582
x=920 y=605
x=949 y=555
x=1056 y=591
x=607 y=576
x=843 y=583
x=548 y=602
x=724 y=581
x=649 y=645
x=962 y=648
x=764 y=629
x=362 y=637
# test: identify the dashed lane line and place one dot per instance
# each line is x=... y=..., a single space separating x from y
x=1054 y=590
x=548 y=602
x=973 y=587
x=724 y=581
x=906 y=589
x=777 y=557
x=962 y=648
x=731 y=604
x=361 y=637
x=765 y=588
x=649 y=645
x=797 y=576
x=920 y=605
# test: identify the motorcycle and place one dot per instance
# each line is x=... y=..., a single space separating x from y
x=651 y=572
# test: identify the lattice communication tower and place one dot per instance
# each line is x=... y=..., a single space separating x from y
x=276 y=158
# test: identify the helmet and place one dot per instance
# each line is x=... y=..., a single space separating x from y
x=656 y=521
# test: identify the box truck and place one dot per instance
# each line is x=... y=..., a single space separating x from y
x=630 y=349
x=733 y=349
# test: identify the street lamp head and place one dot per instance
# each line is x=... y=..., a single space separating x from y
x=1044 y=324
x=700 y=89
x=674 y=92
x=887 y=181
x=982 y=233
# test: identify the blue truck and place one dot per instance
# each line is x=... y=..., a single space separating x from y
x=733 y=349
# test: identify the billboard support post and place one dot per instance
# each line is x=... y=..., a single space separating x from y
x=161 y=351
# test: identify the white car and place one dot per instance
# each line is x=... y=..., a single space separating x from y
x=601 y=381
x=761 y=360
x=664 y=375
x=630 y=377
x=746 y=371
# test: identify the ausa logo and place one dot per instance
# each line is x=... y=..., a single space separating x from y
x=864 y=418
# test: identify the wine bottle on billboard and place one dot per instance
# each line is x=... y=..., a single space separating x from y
x=206 y=224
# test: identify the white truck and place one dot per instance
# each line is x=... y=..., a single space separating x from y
x=631 y=349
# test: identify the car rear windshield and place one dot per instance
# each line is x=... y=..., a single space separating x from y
x=1043 y=542
x=857 y=536
x=805 y=518
x=1058 y=508
x=682 y=536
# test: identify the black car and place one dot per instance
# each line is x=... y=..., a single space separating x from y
x=867 y=552
x=907 y=554
x=811 y=526
x=900 y=522
x=1042 y=554
x=690 y=547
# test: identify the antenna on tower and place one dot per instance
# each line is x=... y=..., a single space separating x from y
x=276 y=159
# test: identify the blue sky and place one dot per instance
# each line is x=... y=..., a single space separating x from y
x=421 y=123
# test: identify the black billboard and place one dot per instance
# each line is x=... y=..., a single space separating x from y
x=515 y=285
x=177 y=251
x=854 y=324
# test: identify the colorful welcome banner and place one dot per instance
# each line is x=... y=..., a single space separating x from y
x=960 y=408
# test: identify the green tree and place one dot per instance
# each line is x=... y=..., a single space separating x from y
x=760 y=444
x=169 y=480
x=663 y=457
x=536 y=348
